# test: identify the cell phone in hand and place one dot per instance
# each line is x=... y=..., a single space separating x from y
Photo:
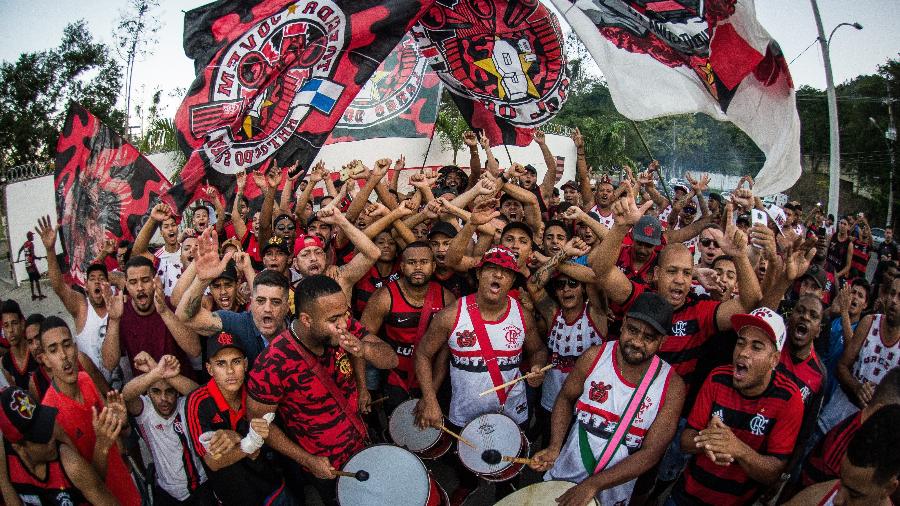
x=759 y=217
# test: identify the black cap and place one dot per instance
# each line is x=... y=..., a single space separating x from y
x=652 y=309
x=442 y=227
x=230 y=272
x=648 y=230
x=571 y=184
x=276 y=242
x=530 y=168
x=817 y=274
x=24 y=419
x=520 y=225
x=220 y=341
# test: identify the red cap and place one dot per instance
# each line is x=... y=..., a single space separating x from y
x=501 y=256
x=307 y=241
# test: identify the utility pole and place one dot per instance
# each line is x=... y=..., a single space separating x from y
x=834 y=137
x=891 y=138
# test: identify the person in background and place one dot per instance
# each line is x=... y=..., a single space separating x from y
x=34 y=275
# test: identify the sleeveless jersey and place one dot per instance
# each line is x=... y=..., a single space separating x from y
x=56 y=489
x=875 y=357
x=828 y=500
x=42 y=382
x=605 y=396
x=608 y=221
x=566 y=342
x=90 y=339
x=20 y=373
x=400 y=330
x=168 y=268
x=469 y=374
x=366 y=286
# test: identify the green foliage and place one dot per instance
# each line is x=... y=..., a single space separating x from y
x=36 y=89
x=450 y=125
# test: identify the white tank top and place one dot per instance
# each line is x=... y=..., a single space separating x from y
x=607 y=221
x=875 y=358
x=169 y=268
x=604 y=397
x=469 y=374
x=90 y=339
x=566 y=343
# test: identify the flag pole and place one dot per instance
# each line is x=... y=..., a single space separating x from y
x=430 y=140
x=647 y=149
x=508 y=155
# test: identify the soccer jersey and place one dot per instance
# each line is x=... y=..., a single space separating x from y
x=767 y=423
x=366 y=286
x=56 y=489
x=626 y=264
x=566 y=342
x=179 y=470
x=400 y=330
x=808 y=374
x=168 y=268
x=20 y=372
x=824 y=463
x=149 y=333
x=312 y=417
x=607 y=220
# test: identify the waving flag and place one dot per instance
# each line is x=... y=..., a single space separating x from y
x=503 y=61
x=104 y=187
x=687 y=56
x=401 y=99
x=273 y=78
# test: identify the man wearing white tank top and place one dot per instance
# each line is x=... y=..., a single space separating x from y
x=868 y=356
x=89 y=312
x=617 y=385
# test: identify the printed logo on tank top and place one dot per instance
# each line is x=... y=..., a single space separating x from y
x=465 y=338
x=512 y=335
x=599 y=391
x=645 y=405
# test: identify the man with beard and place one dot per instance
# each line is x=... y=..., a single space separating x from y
x=745 y=421
x=490 y=340
x=253 y=329
x=638 y=258
x=617 y=383
x=88 y=312
x=873 y=351
x=440 y=237
x=91 y=426
x=19 y=363
x=145 y=322
x=39 y=469
x=400 y=312
x=307 y=378
x=171 y=258
x=156 y=400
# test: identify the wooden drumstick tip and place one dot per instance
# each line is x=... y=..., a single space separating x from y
x=457 y=436
x=514 y=381
x=519 y=460
x=377 y=401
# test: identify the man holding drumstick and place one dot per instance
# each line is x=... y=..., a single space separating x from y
x=488 y=335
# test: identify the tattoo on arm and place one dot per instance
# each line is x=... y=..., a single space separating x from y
x=542 y=274
x=193 y=306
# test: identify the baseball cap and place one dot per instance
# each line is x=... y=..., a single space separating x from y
x=648 y=230
x=442 y=227
x=276 y=242
x=443 y=190
x=230 y=272
x=518 y=225
x=777 y=215
x=23 y=418
x=217 y=342
x=233 y=242
x=817 y=274
x=308 y=241
x=764 y=319
x=501 y=256
x=530 y=168
x=652 y=309
x=570 y=184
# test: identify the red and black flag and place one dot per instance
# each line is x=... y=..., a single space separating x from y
x=104 y=188
x=401 y=99
x=273 y=78
x=502 y=60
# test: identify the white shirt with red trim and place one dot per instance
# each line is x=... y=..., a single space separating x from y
x=566 y=342
x=608 y=220
x=604 y=397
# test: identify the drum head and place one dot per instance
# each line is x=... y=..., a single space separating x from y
x=490 y=432
x=396 y=477
x=404 y=432
x=539 y=494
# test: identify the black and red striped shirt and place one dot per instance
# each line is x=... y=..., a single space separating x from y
x=689 y=338
x=824 y=463
x=808 y=374
x=400 y=330
x=767 y=423
x=366 y=286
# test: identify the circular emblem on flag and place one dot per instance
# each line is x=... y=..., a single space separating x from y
x=267 y=82
x=510 y=59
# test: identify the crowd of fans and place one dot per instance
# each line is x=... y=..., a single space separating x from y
x=676 y=348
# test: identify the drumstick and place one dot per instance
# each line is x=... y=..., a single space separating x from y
x=519 y=460
x=493 y=458
x=457 y=436
x=377 y=401
x=514 y=381
x=359 y=475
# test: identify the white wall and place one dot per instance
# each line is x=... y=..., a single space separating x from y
x=26 y=201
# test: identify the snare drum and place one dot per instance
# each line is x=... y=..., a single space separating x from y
x=429 y=443
x=396 y=477
x=493 y=432
x=539 y=494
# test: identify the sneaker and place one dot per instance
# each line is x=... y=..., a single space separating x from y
x=460 y=495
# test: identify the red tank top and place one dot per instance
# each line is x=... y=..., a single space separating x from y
x=400 y=329
x=56 y=488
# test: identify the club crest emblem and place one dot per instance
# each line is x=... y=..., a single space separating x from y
x=599 y=392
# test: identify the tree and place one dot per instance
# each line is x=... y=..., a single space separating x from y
x=135 y=36
x=36 y=88
x=450 y=125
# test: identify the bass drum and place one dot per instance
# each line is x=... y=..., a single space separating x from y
x=396 y=477
x=539 y=494
x=429 y=443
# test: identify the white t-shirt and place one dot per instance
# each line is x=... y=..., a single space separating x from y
x=169 y=268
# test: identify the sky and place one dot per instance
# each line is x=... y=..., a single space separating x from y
x=38 y=24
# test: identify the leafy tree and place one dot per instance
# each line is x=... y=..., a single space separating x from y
x=450 y=125
x=36 y=89
x=135 y=36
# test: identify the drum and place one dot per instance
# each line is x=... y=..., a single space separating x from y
x=539 y=494
x=429 y=443
x=493 y=432
x=396 y=477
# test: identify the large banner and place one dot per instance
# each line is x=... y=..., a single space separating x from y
x=690 y=56
x=401 y=99
x=502 y=60
x=273 y=78
x=104 y=188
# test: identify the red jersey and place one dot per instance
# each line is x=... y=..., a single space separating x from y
x=76 y=420
x=400 y=330
x=688 y=340
x=824 y=463
x=149 y=333
x=767 y=423
x=251 y=246
x=808 y=374
x=55 y=489
x=371 y=281
x=312 y=416
x=626 y=264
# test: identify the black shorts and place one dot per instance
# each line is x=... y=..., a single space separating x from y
x=33 y=275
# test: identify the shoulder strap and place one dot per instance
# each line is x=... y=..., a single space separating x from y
x=625 y=420
x=487 y=351
x=329 y=385
x=433 y=303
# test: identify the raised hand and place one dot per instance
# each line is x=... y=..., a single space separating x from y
x=47 y=233
x=469 y=139
x=539 y=137
x=576 y=247
x=274 y=176
x=168 y=367
x=626 y=211
x=159 y=297
x=400 y=163
x=796 y=261
x=160 y=212
x=107 y=426
x=331 y=216
x=516 y=170
x=734 y=240
x=577 y=139
x=207 y=263
x=317 y=173
x=575 y=213
x=143 y=362
x=381 y=167
x=115 y=303
x=261 y=181
x=240 y=181
x=484 y=212
x=486 y=187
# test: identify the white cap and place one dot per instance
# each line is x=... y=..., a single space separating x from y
x=777 y=215
x=766 y=320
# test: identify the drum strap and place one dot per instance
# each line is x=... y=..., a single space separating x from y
x=625 y=420
x=329 y=384
x=487 y=351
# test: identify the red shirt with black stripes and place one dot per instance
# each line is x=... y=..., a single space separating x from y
x=824 y=463
x=366 y=286
x=808 y=373
x=312 y=417
x=688 y=340
x=767 y=423
x=400 y=330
